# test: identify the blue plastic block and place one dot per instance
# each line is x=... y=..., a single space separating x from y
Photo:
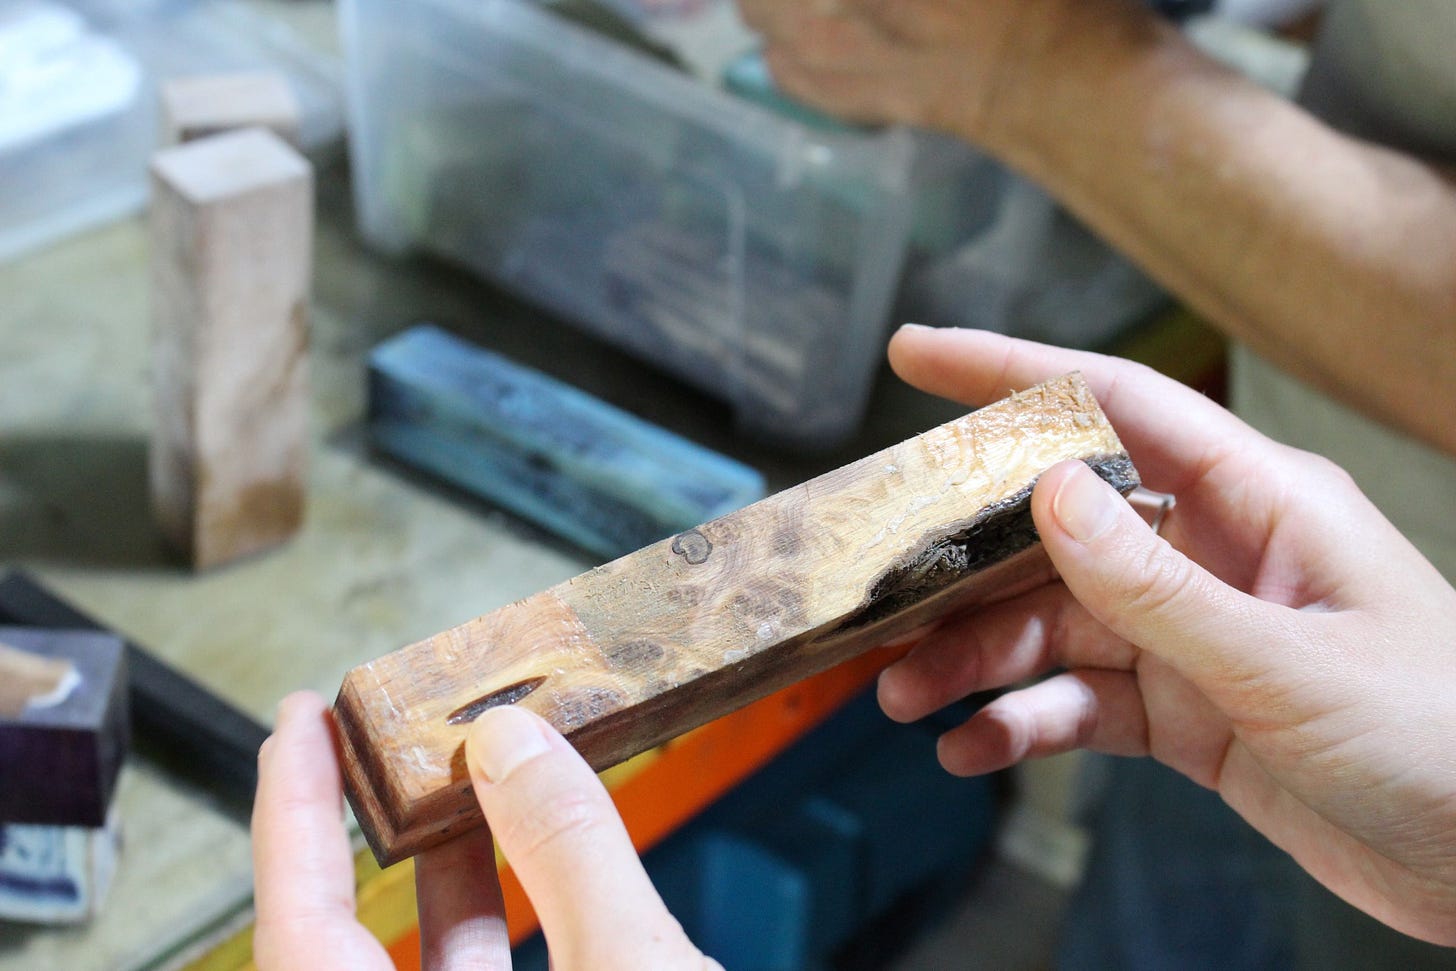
x=738 y=902
x=571 y=463
x=531 y=955
x=826 y=844
x=805 y=767
x=918 y=820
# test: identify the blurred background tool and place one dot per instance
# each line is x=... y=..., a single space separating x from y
x=192 y=731
x=63 y=736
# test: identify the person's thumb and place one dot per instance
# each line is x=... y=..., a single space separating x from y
x=562 y=836
x=1141 y=588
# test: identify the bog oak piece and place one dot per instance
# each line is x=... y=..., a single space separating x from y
x=63 y=736
x=549 y=452
x=639 y=650
x=232 y=238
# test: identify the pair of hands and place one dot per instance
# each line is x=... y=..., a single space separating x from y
x=555 y=823
x=1279 y=642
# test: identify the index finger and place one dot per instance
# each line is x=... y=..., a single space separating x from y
x=1172 y=432
x=303 y=869
x=562 y=836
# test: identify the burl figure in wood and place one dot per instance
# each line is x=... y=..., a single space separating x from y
x=646 y=647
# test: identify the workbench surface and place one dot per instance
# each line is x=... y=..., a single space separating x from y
x=386 y=557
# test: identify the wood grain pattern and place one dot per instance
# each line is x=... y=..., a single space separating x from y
x=232 y=235
x=667 y=638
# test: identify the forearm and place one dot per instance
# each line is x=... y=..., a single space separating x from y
x=1333 y=257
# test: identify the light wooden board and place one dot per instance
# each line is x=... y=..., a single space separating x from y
x=232 y=246
x=199 y=105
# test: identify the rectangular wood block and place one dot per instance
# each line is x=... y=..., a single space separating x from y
x=688 y=629
x=232 y=245
x=198 y=105
x=59 y=761
x=571 y=463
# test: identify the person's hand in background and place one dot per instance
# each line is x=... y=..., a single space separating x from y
x=919 y=62
x=1280 y=642
x=951 y=65
x=1233 y=199
x=556 y=826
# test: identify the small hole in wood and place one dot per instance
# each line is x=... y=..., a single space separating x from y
x=505 y=696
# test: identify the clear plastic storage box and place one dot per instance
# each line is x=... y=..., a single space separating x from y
x=749 y=253
x=78 y=100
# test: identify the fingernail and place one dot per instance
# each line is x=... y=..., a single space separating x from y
x=915 y=327
x=290 y=702
x=1085 y=506
x=502 y=739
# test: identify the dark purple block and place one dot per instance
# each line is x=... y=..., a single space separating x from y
x=58 y=765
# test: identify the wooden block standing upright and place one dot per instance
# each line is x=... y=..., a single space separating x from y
x=196 y=106
x=662 y=640
x=232 y=242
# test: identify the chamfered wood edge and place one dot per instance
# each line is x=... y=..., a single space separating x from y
x=373 y=799
x=360 y=790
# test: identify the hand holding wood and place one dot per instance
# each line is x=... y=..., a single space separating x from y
x=557 y=827
x=1279 y=641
